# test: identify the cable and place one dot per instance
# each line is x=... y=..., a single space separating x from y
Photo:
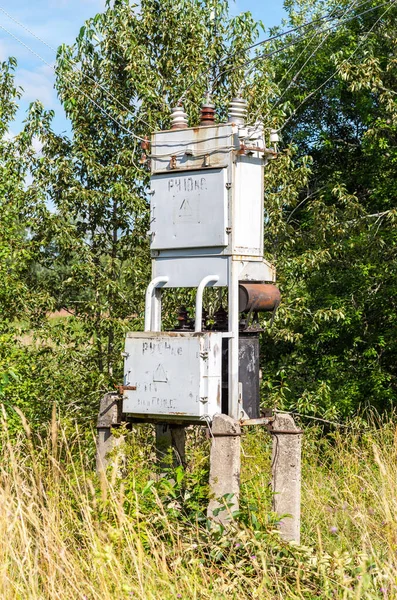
x=338 y=68
x=296 y=75
x=74 y=85
x=294 y=42
x=202 y=153
x=286 y=412
x=326 y=18
x=76 y=70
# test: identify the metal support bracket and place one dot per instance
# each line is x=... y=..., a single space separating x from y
x=210 y=279
x=155 y=283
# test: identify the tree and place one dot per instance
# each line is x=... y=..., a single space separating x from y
x=118 y=83
x=334 y=345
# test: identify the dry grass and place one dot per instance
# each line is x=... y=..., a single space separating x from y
x=66 y=535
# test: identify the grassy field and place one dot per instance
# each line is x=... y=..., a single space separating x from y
x=64 y=534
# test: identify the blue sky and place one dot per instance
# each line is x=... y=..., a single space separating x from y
x=59 y=21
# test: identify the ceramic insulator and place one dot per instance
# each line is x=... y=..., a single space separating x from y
x=207 y=115
x=178 y=118
x=237 y=111
x=274 y=136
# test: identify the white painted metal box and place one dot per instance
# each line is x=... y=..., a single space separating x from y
x=173 y=375
x=189 y=210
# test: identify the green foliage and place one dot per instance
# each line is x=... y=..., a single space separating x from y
x=119 y=80
x=76 y=238
x=333 y=235
x=67 y=531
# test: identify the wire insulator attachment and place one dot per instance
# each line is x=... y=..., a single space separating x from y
x=238 y=111
x=207 y=115
x=178 y=118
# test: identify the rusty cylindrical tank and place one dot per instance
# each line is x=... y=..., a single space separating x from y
x=258 y=297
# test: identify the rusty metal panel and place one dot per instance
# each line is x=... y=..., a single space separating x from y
x=193 y=148
x=176 y=375
x=189 y=210
x=248 y=373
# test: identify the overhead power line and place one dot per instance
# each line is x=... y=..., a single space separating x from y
x=345 y=61
x=74 y=68
x=326 y=18
x=294 y=42
x=74 y=85
x=351 y=6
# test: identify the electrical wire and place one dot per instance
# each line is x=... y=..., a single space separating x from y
x=74 y=68
x=313 y=53
x=74 y=85
x=327 y=18
x=202 y=153
x=345 y=61
x=292 y=43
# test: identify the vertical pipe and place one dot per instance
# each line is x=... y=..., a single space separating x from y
x=156 y=310
x=156 y=282
x=210 y=279
x=234 y=403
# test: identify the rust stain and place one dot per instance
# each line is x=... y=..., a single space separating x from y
x=125 y=388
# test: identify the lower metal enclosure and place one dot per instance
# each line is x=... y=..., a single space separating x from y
x=248 y=353
x=172 y=375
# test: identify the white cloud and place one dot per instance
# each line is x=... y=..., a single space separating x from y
x=9 y=135
x=38 y=84
x=37 y=144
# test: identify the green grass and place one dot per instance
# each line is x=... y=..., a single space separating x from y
x=66 y=534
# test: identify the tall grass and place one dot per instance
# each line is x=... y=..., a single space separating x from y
x=64 y=534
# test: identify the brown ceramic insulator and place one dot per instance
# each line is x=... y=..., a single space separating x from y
x=258 y=297
x=145 y=145
x=221 y=320
x=207 y=115
x=183 y=319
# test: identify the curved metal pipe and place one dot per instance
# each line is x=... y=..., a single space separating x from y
x=156 y=282
x=210 y=279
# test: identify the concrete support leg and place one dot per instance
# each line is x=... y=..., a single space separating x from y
x=109 y=416
x=286 y=475
x=170 y=436
x=225 y=459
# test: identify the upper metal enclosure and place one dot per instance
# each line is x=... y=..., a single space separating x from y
x=207 y=201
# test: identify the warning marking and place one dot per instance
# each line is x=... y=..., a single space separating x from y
x=160 y=374
x=185 y=209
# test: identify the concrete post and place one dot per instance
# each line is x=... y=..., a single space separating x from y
x=286 y=475
x=225 y=461
x=170 y=436
x=109 y=415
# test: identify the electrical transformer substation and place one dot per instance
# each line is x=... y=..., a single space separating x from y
x=206 y=229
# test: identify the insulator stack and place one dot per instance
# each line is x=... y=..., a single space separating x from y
x=274 y=139
x=238 y=111
x=178 y=118
x=221 y=320
x=183 y=319
x=207 y=115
